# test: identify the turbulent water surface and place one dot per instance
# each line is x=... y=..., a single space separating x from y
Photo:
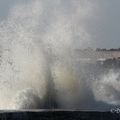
x=39 y=67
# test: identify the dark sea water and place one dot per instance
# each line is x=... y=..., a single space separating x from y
x=58 y=115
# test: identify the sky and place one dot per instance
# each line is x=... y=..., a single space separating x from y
x=103 y=26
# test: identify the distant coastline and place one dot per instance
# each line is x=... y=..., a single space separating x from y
x=104 y=49
x=97 y=54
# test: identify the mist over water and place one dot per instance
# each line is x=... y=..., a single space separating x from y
x=38 y=67
x=106 y=89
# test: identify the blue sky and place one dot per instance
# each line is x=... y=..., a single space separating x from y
x=104 y=26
